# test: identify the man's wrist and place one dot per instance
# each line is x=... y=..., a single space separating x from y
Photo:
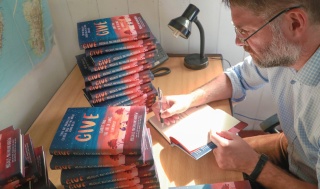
x=257 y=170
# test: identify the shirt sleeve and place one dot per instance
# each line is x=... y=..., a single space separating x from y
x=246 y=76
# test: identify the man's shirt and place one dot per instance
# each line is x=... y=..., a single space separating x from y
x=297 y=95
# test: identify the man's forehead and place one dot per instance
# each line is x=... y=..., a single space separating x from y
x=242 y=16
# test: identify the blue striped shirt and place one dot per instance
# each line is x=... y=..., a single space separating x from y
x=297 y=96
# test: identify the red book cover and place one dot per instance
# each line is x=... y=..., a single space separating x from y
x=120 y=74
x=12 y=156
x=7 y=129
x=100 y=131
x=119 y=46
x=145 y=75
x=112 y=30
x=112 y=57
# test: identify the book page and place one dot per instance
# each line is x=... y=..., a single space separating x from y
x=193 y=129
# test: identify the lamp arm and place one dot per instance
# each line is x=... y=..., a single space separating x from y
x=202 y=38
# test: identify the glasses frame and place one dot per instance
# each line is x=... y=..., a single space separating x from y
x=244 y=40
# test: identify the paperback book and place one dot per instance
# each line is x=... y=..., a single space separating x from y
x=112 y=30
x=119 y=46
x=42 y=181
x=192 y=139
x=100 y=131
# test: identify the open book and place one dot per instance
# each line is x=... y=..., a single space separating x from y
x=191 y=133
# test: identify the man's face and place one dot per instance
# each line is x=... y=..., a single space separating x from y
x=269 y=47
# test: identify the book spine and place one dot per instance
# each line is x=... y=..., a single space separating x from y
x=42 y=181
x=112 y=70
x=119 y=101
x=112 y=57
x=119 y=46
x=112 y=30
x=120 y=74
x=71 y=176
x=145 y=75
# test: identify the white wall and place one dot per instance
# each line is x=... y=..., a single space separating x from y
x=214 y=17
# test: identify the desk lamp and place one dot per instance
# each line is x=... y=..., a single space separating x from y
x=181 y=26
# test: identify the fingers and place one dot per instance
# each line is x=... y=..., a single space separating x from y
x=221 y=138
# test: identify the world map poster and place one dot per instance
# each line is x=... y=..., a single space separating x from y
x=26 y=39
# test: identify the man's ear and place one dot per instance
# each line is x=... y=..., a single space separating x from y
x=297 y=22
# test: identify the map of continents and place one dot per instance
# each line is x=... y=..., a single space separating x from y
x=26 y=39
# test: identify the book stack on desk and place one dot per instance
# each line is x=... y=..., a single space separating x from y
x=116 y=66
x=104 y=147
x=22 y=165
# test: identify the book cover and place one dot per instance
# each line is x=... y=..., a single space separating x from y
x=211 y=119
x=7 y=129
x=120 y=74
x=146 y=87
x=112 y=30
x=145 y=75
x=145 y=186
x=138 y=57
x=114 y=56
x=222 y=185
x=100 y=131
x=43 y=180
x=119 y=46
x=95 y=161
x=89 y=76
x=12 y=156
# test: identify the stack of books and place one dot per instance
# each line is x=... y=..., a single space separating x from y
x=120 y=52
x=22 y=165
x=104 y=147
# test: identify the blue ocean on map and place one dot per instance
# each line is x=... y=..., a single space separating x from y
x=26 y=39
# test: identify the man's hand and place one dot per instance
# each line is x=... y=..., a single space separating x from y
x=233 y=153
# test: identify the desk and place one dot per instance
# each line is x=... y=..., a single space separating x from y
x=174 y=166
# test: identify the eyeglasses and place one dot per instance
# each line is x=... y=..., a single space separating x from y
x=243 y=33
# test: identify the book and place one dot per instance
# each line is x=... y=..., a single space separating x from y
x=119 y=46
x=145 y=76
x=245 y=184
x=89 y=76
x=112 y=57
x=101 y=93
x=187 y=128
x=12 y=162
x=100 y=131
x=41 y=181
x=120 y=74
x=119 y=184
x=143 y=88
x=112 y=30
x=95 y=161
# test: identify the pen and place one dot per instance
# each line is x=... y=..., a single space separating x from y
x=160 y=104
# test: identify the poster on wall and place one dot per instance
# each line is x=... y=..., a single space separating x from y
x=26 y=39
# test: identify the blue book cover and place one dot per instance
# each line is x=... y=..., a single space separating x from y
x=105 y=31
x=100 y=131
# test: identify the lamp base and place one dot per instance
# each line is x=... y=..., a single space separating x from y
x=194 y=62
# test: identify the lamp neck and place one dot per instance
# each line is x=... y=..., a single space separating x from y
x=202 y=38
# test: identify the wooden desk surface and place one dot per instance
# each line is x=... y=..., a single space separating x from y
x=175 y=168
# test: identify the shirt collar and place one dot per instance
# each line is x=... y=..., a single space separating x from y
x=310 y=72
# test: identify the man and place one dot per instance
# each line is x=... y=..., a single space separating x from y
x=283 y=39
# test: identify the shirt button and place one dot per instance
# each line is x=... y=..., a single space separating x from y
x=292 y=82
